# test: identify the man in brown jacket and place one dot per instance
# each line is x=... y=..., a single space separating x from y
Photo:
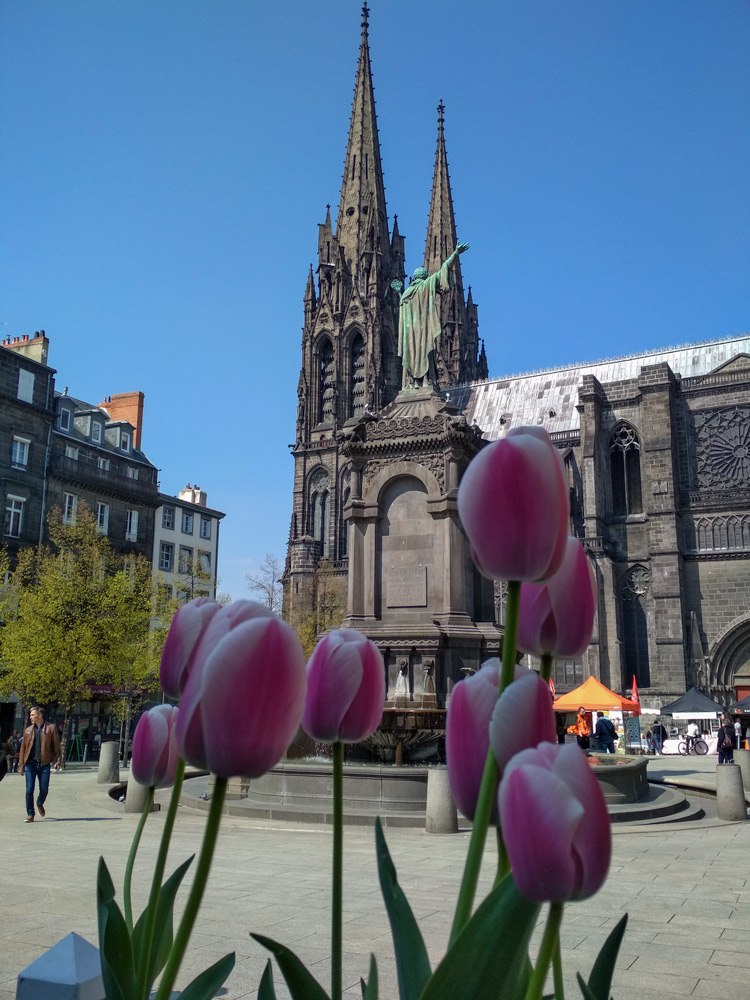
x=40 y=748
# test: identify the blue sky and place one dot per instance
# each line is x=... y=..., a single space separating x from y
x=164 y=166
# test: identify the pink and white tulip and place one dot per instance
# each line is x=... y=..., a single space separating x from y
x=155 y=752
x=522 y=717
x=188 y=625
x=555 y=824
x=245 y=693
x=345 y=688
x=467 y=735
x=513 y=505
x=557 y=616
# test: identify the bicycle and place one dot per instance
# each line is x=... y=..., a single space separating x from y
x=699 y=746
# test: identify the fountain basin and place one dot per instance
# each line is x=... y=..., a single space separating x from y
x=621 y=778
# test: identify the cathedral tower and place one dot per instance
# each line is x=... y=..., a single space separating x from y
x=350 y=368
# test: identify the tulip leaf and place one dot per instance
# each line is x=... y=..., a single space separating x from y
x=207 y=984
x=265 y=989
x=600 y=980
x=412 y=963
x=302 y=985
x=370 y=988
x=161 y=927
x=115 y=946
x=490 y=956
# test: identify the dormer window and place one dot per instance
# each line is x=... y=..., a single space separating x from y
x=96 y=432
x=125 y=440
x=63 y=419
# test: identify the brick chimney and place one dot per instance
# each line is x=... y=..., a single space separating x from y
x=126 y=406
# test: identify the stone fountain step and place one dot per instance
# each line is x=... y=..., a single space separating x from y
x=663 y=804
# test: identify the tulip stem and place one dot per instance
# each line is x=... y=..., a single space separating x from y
x=182 y=936
x=483 y=811
x=482 y=815
x=545 y=670
x=550 y=944
x=161 y=862
x=557 y=971
x=510 y=633
x=503 y=861
x=338 y=856
x=131 y=857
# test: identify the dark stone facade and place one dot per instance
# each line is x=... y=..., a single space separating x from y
x=657 y=450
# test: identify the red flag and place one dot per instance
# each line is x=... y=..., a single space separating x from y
x=634 y=693
x=552 y=687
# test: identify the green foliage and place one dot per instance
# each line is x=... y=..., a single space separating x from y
x=600 y=980
x=301 y=983
x=79 y=613
x=328 y=602
x=412 y=962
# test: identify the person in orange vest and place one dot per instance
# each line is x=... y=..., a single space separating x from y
x=581 y=729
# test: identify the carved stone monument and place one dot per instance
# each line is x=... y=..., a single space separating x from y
x=412 y=586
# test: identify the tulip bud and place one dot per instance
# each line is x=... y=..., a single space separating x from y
x=188 y=625
x=555 y=824
x=345 y=688
x=522 y=717
x=513 y=505
x=155 y=750
x=557 y=616
x=244 y=697
x=467 y=735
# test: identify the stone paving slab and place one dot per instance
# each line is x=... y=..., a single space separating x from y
x=687 y=891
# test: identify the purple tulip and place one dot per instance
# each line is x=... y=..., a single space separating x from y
x=245 y=693
x=522 y=717
x=155 y=747
x=188 y=624
x=513 y=505
x=555 y=824
x=345 y=688
x=557 y=616
x=467 y=735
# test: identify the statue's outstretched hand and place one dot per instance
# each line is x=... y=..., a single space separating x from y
x=461 y=248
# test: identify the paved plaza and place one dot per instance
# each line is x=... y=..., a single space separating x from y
x=685 y=886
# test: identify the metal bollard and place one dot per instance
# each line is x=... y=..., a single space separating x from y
x=440 y=813
x=109 y=764
x=70 y=970
x=730 y=795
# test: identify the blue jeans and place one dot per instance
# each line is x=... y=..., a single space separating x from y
x=34 y=771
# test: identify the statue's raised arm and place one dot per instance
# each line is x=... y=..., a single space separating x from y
x=419 y=317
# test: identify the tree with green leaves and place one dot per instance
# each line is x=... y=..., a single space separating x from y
x=82 y=615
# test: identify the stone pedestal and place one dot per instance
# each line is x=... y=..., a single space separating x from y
x=730 y=795
x=109 y=764
x=742 y=758
x=135 y=797
x=440 y=813
x=71 y=970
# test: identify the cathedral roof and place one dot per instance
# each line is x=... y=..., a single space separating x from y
x=548 y=398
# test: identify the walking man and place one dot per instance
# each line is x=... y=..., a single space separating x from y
x=40 y=748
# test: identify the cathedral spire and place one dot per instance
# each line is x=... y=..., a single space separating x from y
x=441 y=224
x=362 y=208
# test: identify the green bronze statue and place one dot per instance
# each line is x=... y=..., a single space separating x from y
x=419 y=317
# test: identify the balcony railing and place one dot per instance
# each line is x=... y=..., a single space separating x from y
x=78 y=470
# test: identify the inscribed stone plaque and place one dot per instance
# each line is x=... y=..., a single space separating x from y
x=407 y=587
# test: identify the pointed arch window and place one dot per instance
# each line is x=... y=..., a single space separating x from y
x=356 y=376
x=625 y=469
x=320 y=510
x=326 y=388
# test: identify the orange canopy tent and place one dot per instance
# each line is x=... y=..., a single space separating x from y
x=595 y=697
